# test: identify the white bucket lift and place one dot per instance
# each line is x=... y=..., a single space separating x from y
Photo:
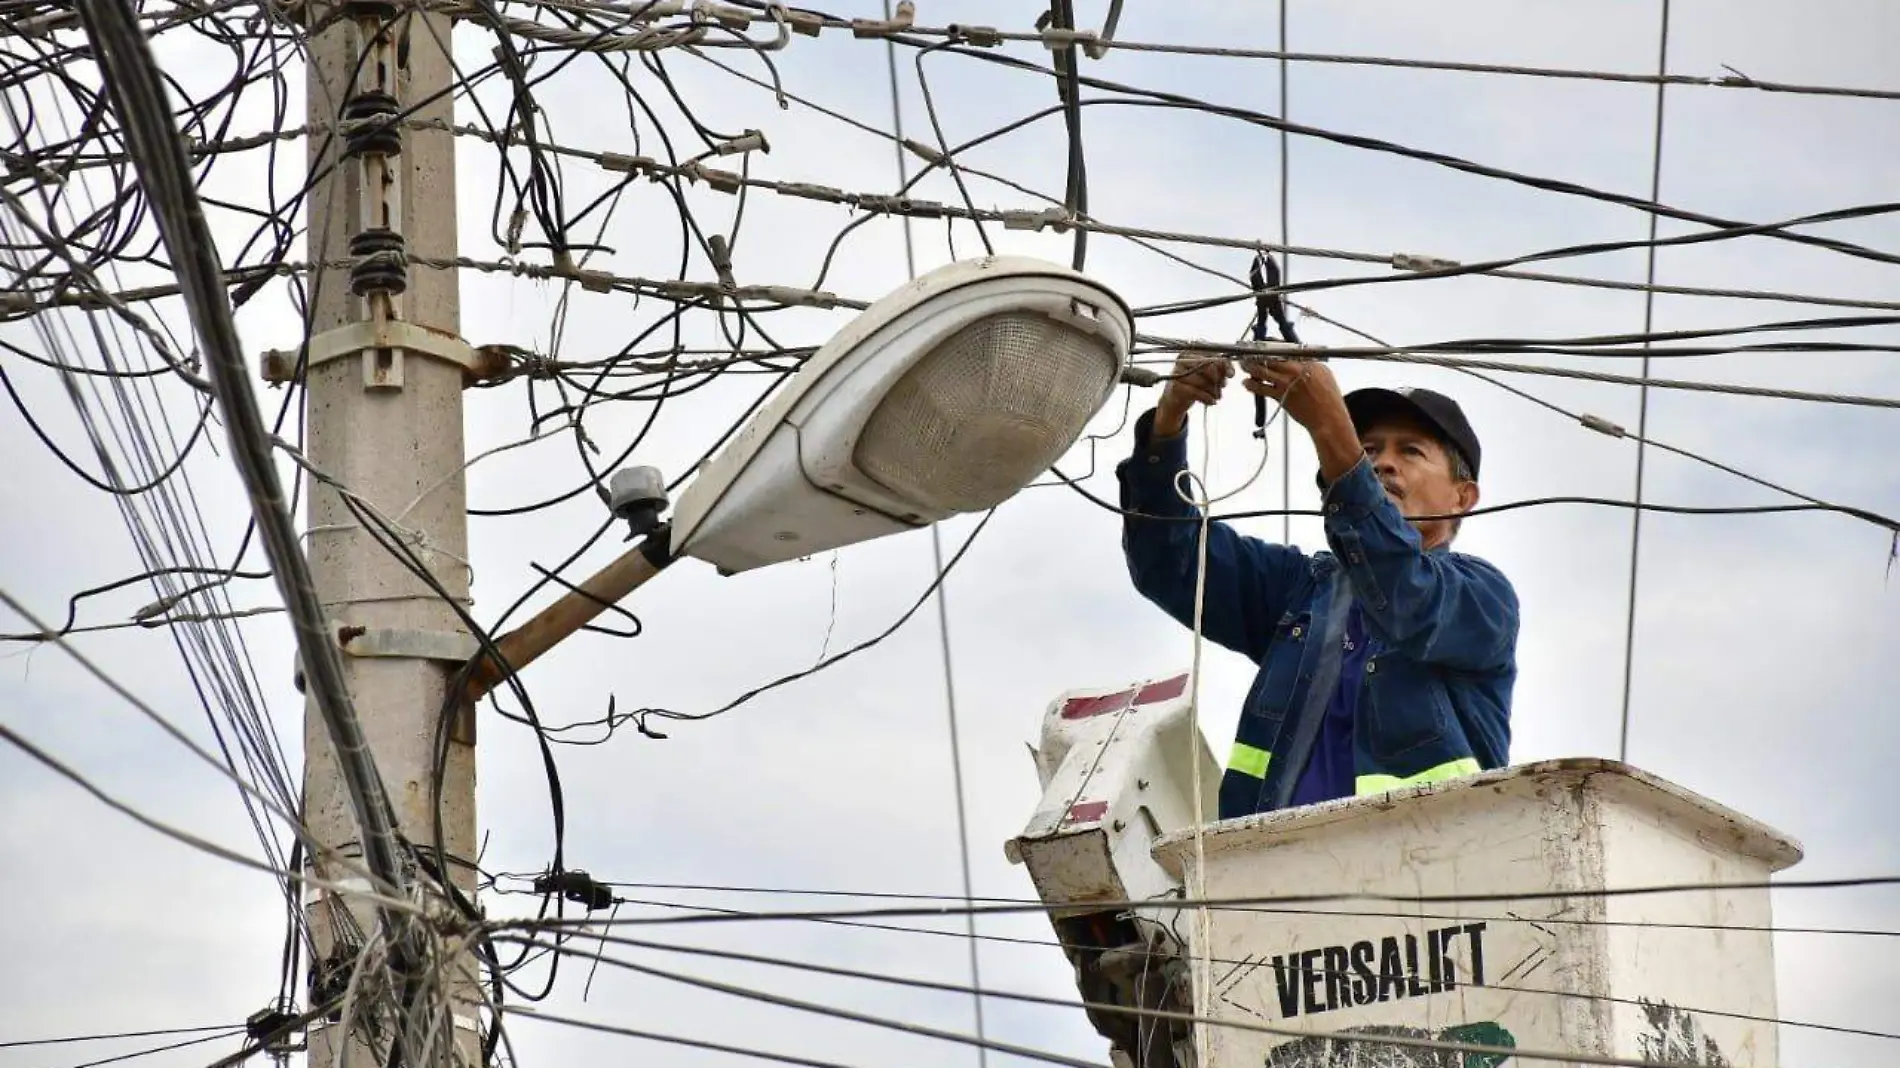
x=1115 y=771
x=1487 y=911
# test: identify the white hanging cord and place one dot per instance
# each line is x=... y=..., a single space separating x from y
x=1202 y=959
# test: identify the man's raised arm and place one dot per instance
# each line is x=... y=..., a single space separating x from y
x=1249 y=582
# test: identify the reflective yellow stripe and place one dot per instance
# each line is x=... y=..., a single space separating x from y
x=1249 y=761
x=1378 y=784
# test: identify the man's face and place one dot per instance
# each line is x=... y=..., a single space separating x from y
x=1416 y=470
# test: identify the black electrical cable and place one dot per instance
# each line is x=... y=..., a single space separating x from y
x=1069 y=89
x=1550 y=185
x=1862 y=514
x=640 y=715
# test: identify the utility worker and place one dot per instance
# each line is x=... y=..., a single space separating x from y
x=1386 y=662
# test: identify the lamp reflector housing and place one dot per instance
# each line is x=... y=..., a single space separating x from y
x=945 y=397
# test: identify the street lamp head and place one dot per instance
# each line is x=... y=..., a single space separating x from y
x=947 y=396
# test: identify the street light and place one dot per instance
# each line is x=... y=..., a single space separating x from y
x=945 y=397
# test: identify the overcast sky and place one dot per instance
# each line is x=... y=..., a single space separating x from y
x=1764 y=645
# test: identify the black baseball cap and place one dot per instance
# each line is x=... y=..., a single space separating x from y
x=1435 y=410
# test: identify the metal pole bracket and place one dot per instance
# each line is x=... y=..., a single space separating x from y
x=381 y=346
x=452 y=645
x=447 y=646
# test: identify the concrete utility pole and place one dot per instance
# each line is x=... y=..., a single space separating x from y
x=385 y=374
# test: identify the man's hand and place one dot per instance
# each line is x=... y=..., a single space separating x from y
x=1196 y=378
x=1310 y=394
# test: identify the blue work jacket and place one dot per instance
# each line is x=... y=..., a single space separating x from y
x=1434 y=692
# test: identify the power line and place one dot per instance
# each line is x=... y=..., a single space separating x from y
x=1642 y=401
x=942 y=597
x=1200 y=1021
x=1412 y=915
x=1058 y=36
x=1559 y=921
x=1092 y=1006
x=1163 y=343
x=1286 y=272
x=168 y=1047
x=1859 y=882
x=134 y=82
x=836 y=1012
x=775 y=1056
x=1156 y=98
x=15 y=1043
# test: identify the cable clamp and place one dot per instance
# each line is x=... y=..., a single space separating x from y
x=717 y=180
x=826 y=193
x=808 y=23
x=732 y=18
x=1053 y=39
x=454 y=646
x=976 y=36
x=576 y=886
x=1099 y=48
x=904 y=18
x=1410 y=261
x=750 y=141
x=614 y=161
x=924 y=152
x=1024 y=219
x=381 y=345
x=676 y=290
x=802 y=298
x=274 y=1030
x=1602 y=425
x=592 y=281
x=347 y=886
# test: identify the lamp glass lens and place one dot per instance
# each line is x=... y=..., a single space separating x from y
x=987 y=411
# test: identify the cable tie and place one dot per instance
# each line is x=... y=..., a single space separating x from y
x=1602 y=425
x=750 y=141
x=828 y=194
x=1412 y=261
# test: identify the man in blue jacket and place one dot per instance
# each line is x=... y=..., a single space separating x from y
x=1386 y=662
